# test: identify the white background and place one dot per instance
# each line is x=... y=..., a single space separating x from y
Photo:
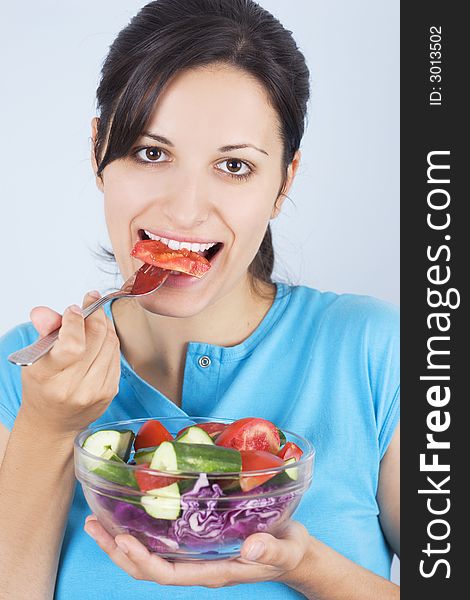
x=340 y=232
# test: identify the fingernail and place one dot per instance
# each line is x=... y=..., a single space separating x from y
x=255 y=551
x=76 y=309
x=122 y=546
x=94 y=294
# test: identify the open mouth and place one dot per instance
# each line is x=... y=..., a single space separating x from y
x=207 y=250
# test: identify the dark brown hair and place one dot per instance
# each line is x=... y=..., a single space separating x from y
x=167 y=36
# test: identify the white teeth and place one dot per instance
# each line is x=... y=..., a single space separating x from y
x=175 y=245
x=151 y=236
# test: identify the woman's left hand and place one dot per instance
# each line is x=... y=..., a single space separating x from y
x=263 y=558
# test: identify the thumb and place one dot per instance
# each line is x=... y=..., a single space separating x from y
x=284 y=552
x=45 y=319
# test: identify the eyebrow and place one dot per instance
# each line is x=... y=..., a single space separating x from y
x=238 y=146
x=230 y=147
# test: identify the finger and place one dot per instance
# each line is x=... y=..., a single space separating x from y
x=212 y=574
x=90 y=297
x=149 y=566
x=106 y=542
x=95 y=327
x=91 y=517
x=45 y=320
x=283 y=553
x=70 y=345
x=106 y=367
x=110 y=386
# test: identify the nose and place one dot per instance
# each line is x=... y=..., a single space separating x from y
x=186 y=206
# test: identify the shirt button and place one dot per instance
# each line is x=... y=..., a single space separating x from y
x=204 y=362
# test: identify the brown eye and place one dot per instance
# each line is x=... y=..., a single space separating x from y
x=153 y=154
x=234 y=165
x=235 y=168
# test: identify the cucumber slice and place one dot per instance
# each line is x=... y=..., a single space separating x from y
x=231 y=486
x=174 y=456
x=113 y=472
x=120 y=442
x=286 y=476
x=164 y=458
x=185 y=485
x=145 y=455
x=293 y=472
x=165 y=505
x=195 y=435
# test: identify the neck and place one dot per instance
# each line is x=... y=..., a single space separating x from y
x=155 y=345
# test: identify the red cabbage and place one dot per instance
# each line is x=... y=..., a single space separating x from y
x=132 y=519
x=209 y=517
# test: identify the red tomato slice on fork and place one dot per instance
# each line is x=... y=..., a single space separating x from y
x=159 y=254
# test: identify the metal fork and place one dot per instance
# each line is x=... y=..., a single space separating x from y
x=144 y=281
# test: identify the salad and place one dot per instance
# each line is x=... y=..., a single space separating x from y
x=178 y=494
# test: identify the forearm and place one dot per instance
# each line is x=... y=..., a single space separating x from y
x=324 y=574
x=36 y=485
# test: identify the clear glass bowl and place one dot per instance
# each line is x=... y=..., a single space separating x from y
x=215 y=516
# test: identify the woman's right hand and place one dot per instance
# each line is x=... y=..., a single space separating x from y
x=73 y=384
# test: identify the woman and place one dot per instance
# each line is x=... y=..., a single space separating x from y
x=202 y=107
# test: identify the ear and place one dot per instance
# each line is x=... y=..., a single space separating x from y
x=94 y=133
x=291 y=172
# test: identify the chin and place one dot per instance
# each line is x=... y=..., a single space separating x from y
x=173 y=303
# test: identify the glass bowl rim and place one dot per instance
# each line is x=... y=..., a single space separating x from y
x=309 y=455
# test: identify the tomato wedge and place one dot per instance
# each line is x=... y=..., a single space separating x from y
x=290 y=450
x=152 y=433
x=254 y=460
x=211 y=427
x=250 y=433
x=159 y=254
x=149 y=481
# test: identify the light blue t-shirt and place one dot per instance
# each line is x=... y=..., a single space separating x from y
x=321 y=364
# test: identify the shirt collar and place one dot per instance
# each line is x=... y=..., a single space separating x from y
x=239 y=351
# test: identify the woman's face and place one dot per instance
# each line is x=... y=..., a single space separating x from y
x=185 y=183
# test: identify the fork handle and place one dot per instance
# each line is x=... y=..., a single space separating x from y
x=30 y=354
